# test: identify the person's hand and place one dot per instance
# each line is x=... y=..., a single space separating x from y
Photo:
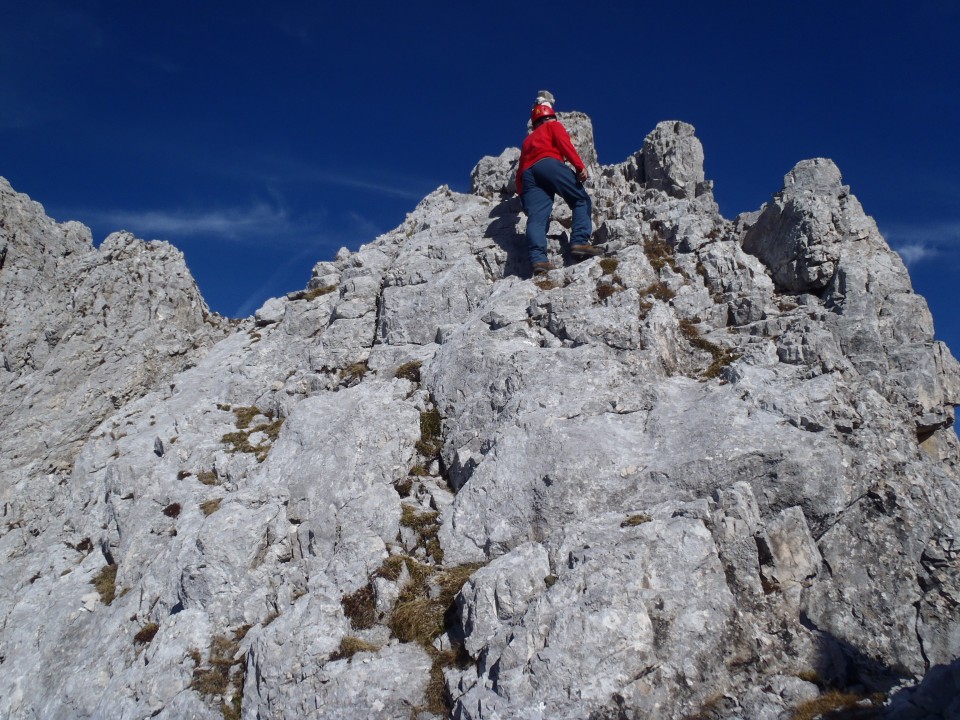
x=582 y=174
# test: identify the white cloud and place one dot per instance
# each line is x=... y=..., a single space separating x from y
x=918 y=243
x=285 y=169
x=915 y=252
x=254 y=222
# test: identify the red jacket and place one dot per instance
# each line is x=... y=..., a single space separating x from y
x=549 y=139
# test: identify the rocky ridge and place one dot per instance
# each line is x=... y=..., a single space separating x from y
x=711 y=474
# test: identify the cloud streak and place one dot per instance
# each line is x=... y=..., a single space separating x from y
x=918 y=243
x=915 y=253
x=280 y=169
x=239 y=223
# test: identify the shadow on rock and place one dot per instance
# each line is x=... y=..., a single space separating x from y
x=937 y=697
x=848 y=675
x=503 y=231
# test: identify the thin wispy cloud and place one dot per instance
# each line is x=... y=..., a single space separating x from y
x=255 y=222
x=918 y=243
x=915 y=253
x=285 y=169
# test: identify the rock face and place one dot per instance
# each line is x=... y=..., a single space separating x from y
x=711 y=474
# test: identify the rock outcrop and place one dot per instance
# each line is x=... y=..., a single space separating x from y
x=711 y=474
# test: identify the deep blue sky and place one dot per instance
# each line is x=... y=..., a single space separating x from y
x=261 y=137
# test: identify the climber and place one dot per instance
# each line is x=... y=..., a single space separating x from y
x=542 y=176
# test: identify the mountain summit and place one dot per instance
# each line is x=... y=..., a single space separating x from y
x=709 y=475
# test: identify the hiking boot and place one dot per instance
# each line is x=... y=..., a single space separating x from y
x=540 y=268
x=585 y=250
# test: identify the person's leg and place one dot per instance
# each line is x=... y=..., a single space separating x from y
x=564 y=182
x=538 y=204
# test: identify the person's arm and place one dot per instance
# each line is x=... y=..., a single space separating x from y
x=561 y=139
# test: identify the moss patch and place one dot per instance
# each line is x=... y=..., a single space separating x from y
x=721 y=357
x=245 y=416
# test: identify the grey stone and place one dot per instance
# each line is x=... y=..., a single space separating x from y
x=496 y=176
x=673 y=159
x=678 y=477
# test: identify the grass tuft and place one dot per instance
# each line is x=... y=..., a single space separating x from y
x=146 y=633
x=361 y=607
x=105 y=582
x=421 y=610
x=609 y=265
x=409 y=371
x=172 y=510
x=660 y=290
x=605 y=290
x=210 y=681
x=313 y=293
x=425 y=525
x=240 y=440
x=245 y=415
x=547 y=284
x=350 y=646
x=431 y=429
x=223 y=675
x=837 y=704
x=634 y=520
x=208 y=477
x=721 y=357
x=689 y=328
x=209 y=507
x=660 y=254
x=353 y=373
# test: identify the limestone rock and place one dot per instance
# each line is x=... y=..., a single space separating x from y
x=672 y=160
x=496 y=176
x=681 y=480
x=797 y=235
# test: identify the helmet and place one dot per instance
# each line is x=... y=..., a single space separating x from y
x=540 y=112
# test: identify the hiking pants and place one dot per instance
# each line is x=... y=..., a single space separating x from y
x=543 y=181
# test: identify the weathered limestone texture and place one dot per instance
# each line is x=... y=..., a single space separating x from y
x=711 y=474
